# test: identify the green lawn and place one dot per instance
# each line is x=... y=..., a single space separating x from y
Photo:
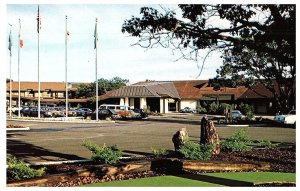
x=204 y=180
x=159 y=181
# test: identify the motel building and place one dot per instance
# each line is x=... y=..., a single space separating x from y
x=172 y=96
x=51 y=93
x=156 y=96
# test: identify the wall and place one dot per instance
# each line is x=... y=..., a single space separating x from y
x=188 y=103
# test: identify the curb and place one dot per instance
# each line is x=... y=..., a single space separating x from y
x=68 y=162
x=62 y=121
x=18 y=129
x=198 y=122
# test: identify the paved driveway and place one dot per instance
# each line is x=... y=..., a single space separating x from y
x=62 y=141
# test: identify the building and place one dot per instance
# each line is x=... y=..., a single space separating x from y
x=193 y=93
x=51 y=93
x=171 y=96
x=157 y=96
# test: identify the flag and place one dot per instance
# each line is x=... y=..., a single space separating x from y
x=20 y=37
x=95 y=35
x=38 y=20
x=9 y=42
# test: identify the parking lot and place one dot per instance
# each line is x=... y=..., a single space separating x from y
x=48 y=141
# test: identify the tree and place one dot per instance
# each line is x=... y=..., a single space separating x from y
x=257 y=42
x=87 y=90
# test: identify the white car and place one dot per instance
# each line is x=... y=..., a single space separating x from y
x=236 y=115
x=289 y=118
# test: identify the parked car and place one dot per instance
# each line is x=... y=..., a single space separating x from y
x=43 y=112
x=188 y=110
x=289 y=118
x=83 y=111
x=25 y=111
x=130 y=114
x=14 y=109
x=142 y=112
x=103 y=114
x=236 y=115
x=56 y=111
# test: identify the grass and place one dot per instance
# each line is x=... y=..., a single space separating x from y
x=204 y=180
x=257 y=177
x=159 y=181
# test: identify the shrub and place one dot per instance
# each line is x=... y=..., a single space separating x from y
x=158 y=152
x=248 y=110
x=223 y=107
x=19 y=170
x=200 y=109
x=237 y=142
x=267 y=144
x=194 y=151
x=213 y=107
x=104 y=154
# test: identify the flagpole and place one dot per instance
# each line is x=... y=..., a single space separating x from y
x=39 y=90
x=10 y=82
x=96 y=67
x=66 y=66
x=19 y=92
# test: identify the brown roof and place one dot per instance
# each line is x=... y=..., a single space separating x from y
x=236 y=92
x=24 y=86
x=56 y=100
x=190 y=89
x=257 y=91
x=147 y=89
x=195 y=89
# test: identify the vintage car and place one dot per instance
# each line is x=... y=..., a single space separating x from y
x=289 y=118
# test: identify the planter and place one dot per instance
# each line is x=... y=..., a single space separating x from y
x=158 y=166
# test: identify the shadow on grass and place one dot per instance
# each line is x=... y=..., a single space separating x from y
x=216 y=180
x=25 y=151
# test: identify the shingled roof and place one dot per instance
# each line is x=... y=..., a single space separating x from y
x=190 y=89
x=53 y=86
x=146 y=89
x=195 y=89
x=257 y=91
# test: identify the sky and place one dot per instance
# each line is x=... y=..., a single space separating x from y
x=116 y=55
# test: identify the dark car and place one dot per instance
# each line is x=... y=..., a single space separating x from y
x=83 y=111
x=141 y=112
x=25 y=111
x=43 y=112
x=103 y=114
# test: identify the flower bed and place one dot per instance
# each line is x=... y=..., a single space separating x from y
x=15 y=126
x=279 y=160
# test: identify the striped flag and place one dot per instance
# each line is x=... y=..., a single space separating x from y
x=9 y=42
x=20 y=37
x=95 y=35
x=38 y=20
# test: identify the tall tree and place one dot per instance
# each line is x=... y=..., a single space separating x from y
x=257 y=42
x=87 y=90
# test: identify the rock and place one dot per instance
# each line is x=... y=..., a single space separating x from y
x=209 y=135
x=179 y=138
